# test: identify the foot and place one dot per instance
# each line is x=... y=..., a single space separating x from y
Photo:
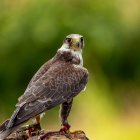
x=34 y=129
x=77 y=131
x=65 y=128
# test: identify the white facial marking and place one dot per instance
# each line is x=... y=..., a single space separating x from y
x=64 y=47
x=78 y=54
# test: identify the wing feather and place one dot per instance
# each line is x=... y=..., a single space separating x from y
x=61 y=82
x=44 y=68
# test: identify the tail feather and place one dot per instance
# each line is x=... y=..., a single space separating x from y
x=4 y=126
x=11 y=121
x=4 y=132
x=8 y=126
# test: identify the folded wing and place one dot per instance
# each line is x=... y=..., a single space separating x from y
x=60 y=83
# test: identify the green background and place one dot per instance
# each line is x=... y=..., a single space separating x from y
x=31 y=31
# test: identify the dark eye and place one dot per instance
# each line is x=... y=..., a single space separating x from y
x=82 y=39
x=69 y=40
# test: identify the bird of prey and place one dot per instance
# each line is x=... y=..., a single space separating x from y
x=57 y=82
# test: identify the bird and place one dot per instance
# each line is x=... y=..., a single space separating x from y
x=57 y=82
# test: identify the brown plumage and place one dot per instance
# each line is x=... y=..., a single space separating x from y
x=57 y=82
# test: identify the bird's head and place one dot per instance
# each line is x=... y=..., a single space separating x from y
x=72 y=48
x=74 y=42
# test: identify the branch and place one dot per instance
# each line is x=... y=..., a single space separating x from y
x=34 y=132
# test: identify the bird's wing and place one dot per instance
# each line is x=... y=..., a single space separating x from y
x=44 y=68
x=59 y=84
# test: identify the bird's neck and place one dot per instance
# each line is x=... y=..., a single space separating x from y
x=68 y=54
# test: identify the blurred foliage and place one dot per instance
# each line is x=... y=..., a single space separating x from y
x=30 y=33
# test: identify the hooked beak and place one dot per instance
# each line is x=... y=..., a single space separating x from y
x=76 y=44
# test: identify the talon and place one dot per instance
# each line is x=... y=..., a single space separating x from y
x=33 y=129
x=77 y=131
x=30 y=130
x=65 y=128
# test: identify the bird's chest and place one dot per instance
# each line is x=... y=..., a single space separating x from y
x=77 y=58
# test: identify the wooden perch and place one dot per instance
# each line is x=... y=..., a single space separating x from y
x=34 y=132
